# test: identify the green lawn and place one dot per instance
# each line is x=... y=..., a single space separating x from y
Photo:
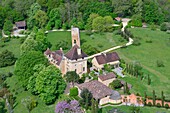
x=127 y=109
x=147 y=54
x=14 y=46
x=107 y=40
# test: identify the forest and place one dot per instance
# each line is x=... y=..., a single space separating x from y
x=57 y=14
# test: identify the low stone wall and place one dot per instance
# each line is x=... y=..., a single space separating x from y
x=108 y=100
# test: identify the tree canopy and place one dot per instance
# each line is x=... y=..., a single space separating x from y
x=25 y=64
x=7 y=58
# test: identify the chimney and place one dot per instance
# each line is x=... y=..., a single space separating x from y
x=79 y=51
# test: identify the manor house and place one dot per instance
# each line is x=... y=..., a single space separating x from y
x=74 y=60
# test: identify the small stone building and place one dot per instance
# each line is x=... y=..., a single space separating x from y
x=20 y=25
x=74 y=60
x=101 y=92
x=99 y=61
x=107 y=79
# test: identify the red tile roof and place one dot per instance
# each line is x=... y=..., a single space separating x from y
x=97 y=89
x=106 y=58
x=107 y=76
x=73 y=54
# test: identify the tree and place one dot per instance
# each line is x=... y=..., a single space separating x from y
x=68 y=107
x=98 y=24
x=126 y=88
x=41 y=38
x=163 y=98
x=31 y=13
x=166 y=106
x=29 y=45
x=40 y=18
x=71 y=76
x=163 y=27
x=30 y=103
x=8 y=26
x=152 y=13
x=86 y=96
x=94 y=106
x=154 y=98
x=7 y=58
x=108 y=23
x=88 y=26
x=23 y=6
x=25 y=64
x=50 y=84
x=32 y=80
x=149 y=80
x=2 y=106
x=115 y=84
x=122 y=7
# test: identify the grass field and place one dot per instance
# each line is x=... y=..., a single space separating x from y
x=148 y=54
x=107 y=40
x=127 y=109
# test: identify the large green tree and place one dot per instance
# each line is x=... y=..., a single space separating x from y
x=50 y=84
x=31 y=13
x=71 y=76
x=86 y=96
x=32 y=80
x=152 y=13
x=25 y=64
x=40 y=18
x=7 y=58
x=8 y=26
x=98 y=24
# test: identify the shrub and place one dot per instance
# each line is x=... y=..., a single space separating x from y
x=160 y=63
x=153 y=27
x=166 y=106
x=115 y=84
x=148 y=41
x=163 y=27
x=158 y=105
x=74 y=91
x=149 y=104
x=100 y=45
x=5 y=39
x=136 y=42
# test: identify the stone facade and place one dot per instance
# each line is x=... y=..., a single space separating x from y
x=99 y=61
x=74 y=60
x=107 y=79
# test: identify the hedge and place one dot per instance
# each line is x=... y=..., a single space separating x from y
x=73 y=91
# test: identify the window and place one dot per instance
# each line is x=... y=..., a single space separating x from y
x=75 y=70
x=83 y=68
x=74 y=41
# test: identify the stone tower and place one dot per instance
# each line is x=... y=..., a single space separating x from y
x=75 y=36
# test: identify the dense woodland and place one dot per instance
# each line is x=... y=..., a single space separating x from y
x=56 y=14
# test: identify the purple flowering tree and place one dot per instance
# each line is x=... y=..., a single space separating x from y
x=68 y=107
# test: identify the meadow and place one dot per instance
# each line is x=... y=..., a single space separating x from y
x=147 y=54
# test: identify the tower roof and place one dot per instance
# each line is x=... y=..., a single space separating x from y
x=72 y=54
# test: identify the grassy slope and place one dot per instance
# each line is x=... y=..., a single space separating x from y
x=147 y=54
x=107 y=40
x=14 y=46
